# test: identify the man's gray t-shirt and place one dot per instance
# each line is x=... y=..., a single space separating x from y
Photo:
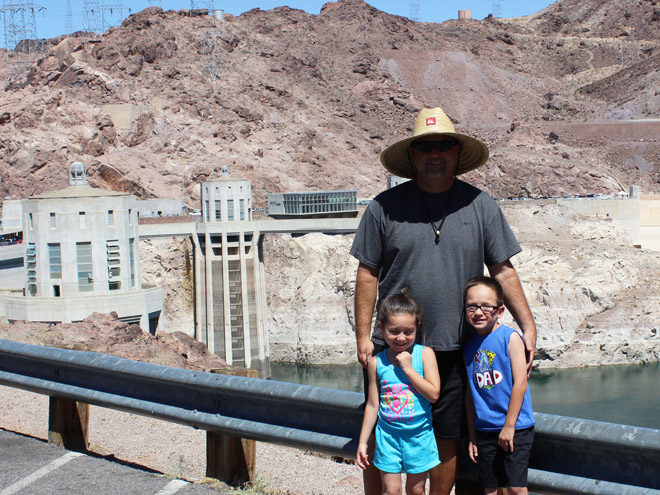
x=396 y=236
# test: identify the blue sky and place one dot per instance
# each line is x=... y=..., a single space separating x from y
x=52 y=21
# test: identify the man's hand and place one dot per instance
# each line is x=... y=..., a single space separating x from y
x=366 y=290
x=473 y=452
x=365 y=349
x=516 y=303
x=530 y=351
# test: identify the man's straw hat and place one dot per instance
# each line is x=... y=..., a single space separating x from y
x=434 y=122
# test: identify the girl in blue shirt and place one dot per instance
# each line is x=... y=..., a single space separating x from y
x=403 y=382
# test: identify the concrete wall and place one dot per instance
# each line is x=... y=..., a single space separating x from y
x=650 y=222
x=138 y=303
x=290 y=226
x=640 y=217
x=160 y=207
x=626 y=212
x=12 y=214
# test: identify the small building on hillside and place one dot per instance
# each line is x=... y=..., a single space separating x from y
x=81 y=249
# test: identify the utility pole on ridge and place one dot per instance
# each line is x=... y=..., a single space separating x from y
x=416 y=10
x=202 y=4
x=68 y=28
x=497 y=8
x=20 y=32
x=100 y=15
x=20 y=28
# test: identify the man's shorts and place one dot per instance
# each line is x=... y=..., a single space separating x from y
x=448 y=410
x=498 y=468
x=405 y=451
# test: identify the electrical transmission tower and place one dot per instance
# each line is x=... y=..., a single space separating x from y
x=68 y=28
x=416 y=10
x=99 y=15
x=633 y=47
x=155 y=3
x=212 y=59
x=497 y=8
x=20 y=27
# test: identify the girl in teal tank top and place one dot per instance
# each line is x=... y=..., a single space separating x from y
x=403 y=382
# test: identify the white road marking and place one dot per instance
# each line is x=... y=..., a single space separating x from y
x=40 y=473
x=172 y=487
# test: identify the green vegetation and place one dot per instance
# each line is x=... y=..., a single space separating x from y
x=257 y=487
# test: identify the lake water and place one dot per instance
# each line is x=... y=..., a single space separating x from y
x=617 y=394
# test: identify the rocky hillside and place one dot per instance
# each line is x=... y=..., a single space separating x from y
x=296 y=101
x=107 y=335
x=595 y=298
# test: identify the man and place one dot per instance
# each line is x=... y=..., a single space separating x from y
x=433 y=234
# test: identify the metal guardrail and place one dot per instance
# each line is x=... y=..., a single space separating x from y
x=570 y=455
x=301 y=416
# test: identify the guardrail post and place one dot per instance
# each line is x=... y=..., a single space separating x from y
x=68 y=423
x=228 y=458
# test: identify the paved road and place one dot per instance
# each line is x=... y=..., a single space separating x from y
x=32 y=467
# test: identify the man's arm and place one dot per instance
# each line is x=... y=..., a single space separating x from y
x=366 y=290
x=516 y=303
x=517 y=355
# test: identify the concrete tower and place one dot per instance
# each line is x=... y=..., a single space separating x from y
x=82 y=256
x=230 y=298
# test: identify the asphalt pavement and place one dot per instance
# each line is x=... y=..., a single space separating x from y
x=30 y=466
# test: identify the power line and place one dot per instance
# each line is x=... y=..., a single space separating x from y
x=68 y=28
x=100 y=15
x=20 y=28
x=212 y=58
x=497 y=8
x=416 y=10
x=202 y=4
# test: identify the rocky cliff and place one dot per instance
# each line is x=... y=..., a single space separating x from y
x=293 y=101
x=595 y=298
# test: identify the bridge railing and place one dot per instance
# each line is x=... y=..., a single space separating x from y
x=569 y=456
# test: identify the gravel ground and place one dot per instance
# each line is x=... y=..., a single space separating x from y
x=181 y=451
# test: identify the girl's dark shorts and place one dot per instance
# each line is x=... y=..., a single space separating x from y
x=498 y=468
x=448 y=411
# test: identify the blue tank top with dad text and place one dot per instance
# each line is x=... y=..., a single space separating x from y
x=491 y=380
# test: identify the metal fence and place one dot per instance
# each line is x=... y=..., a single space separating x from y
x=569 y=456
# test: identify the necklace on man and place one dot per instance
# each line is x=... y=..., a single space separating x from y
x=436 y=230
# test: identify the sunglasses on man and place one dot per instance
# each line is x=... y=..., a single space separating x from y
x=428 y=146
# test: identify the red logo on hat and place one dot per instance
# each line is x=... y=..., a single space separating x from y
x=430 y=121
